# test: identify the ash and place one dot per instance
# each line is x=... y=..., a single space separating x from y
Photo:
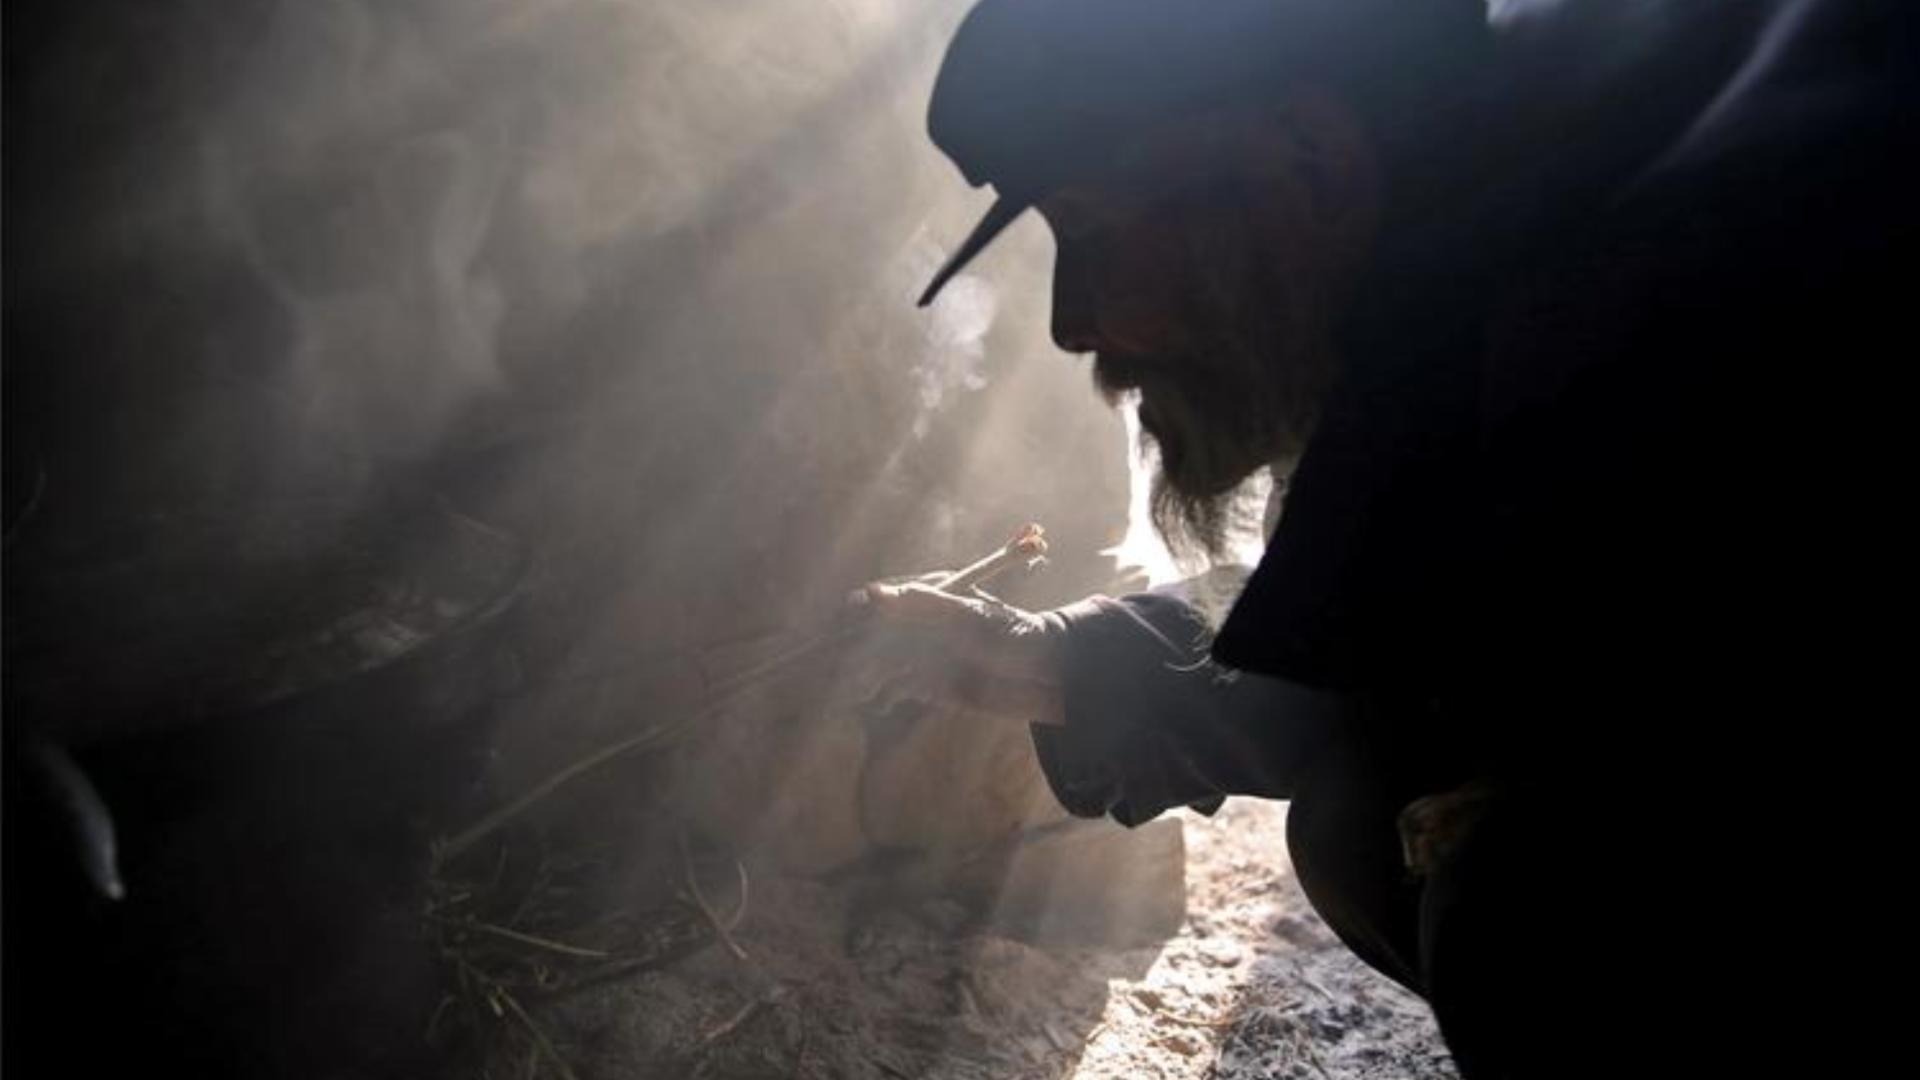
x=839 y=983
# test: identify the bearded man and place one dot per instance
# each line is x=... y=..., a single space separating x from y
x=1520 y=313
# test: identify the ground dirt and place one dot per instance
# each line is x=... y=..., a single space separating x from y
x=837 y=983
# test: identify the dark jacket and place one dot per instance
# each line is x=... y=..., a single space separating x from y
x=1606 y=514
x=1606 y=470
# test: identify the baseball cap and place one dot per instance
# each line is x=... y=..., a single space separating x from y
x=1034 y=94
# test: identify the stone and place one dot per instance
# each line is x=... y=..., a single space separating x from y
x=1009 y=979
x=953 y=782
x=1180 y=1043
x=1089 y=882
x=1219 y=954
x=777 y=778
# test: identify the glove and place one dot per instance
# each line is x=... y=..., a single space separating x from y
x=969 y=652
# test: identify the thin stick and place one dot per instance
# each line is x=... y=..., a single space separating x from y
x=439 y=1011
x=1301 y=974
x=539 y=1037
x=740 y=909
x=724 y=693
x=773 y=665
x=524 y=939
x=480 y=829
x=1027 y=544
x=720 y=929
x=739 y=1017
x=497 y=995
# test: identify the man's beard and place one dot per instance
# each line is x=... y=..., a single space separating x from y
x=1213 y=423
x=1244 y=388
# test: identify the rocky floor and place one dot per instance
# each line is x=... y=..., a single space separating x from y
x=1254 y=985
x=1251 y=986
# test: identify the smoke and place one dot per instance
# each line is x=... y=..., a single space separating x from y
x=573 y=342
x=381 y=159
x=952 y=357
x=631 y=281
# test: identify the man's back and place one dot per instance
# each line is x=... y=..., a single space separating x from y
x=1609 y=491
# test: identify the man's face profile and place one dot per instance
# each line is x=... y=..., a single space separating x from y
x=1202 y=268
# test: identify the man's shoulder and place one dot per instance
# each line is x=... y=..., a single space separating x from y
x=1749 y=192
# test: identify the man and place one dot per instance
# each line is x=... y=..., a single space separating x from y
x=1524 y=317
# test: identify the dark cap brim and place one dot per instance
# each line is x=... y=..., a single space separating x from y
x=998 y=217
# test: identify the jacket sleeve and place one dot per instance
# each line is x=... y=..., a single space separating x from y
x=1152 y=723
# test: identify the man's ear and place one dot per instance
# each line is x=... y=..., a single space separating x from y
x=1317 y=146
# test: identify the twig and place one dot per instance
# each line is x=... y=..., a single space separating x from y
x=498 y=995
x=740 y=1016
x=1073 y=1062
x=523 y=938
x=451 y=848
x=740 y=909
x=720 y=929
x=722 y=695
x=724 y=689
x=540 y=1039
x=440 y=1010
x=1028 y=544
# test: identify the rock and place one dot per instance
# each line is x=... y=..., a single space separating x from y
x=953 y=783
x=793 y=774
x=1180 y=1043
x=1009 y=979
x=1304 y=933
x=777 y=777
x=1089 y=883
x=1219 y=954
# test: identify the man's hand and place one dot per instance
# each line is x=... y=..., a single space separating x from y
x=971 y=652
